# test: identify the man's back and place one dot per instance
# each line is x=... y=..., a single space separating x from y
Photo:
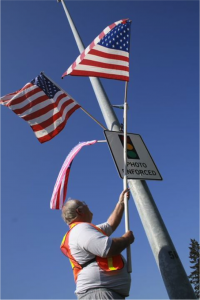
x=85 y=243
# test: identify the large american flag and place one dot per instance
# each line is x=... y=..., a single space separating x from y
x=60 y=188
x=43 y=105
x=107 y=56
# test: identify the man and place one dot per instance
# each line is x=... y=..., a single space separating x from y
x=100 y=271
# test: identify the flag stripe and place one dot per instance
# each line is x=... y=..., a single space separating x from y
x=101 y=51
x=42 y=113
x=99 y=74
x=43 y=105
x=48 y=115
x=52 y=119
x=54 y=128
x=33 y=105
x=111 y=51
x=55 y=106
x=36 y=102
x=61 y=193
x=58 y=199
x=63 y=190
x=60 y=188
x=116 y=57
x=102 y=54
x=65 y=184
x=25 y=96
x=11 y=96
x=60 y=121
x=102 y=65
x=87 y=69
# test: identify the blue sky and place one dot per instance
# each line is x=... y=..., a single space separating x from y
x=163 y=97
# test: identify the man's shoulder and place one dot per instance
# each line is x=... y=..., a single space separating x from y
x=87 y=224
x=91 y=225
x=104 y=228
x=82 y=232
x=83 y=226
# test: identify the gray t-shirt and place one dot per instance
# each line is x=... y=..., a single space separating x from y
x=85 y=243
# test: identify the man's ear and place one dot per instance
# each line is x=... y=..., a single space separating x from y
x=79 y=211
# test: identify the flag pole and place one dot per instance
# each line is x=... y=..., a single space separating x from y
x=85 y=111
x=126 y=212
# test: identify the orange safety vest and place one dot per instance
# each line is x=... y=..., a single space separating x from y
x=105 y=263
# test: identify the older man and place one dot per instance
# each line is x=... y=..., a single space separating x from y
x=100 y=271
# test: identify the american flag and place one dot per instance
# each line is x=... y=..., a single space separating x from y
x=43 y=105
x=107 y=56
x=60 y=188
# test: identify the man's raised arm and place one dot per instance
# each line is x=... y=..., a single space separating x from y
x=116 y=216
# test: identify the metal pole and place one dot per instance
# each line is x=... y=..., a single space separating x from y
x=169 y=264
x=126 y=212
x=108 y=112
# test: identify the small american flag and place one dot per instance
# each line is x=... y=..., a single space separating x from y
x=60 y=188
x=107 y=56
x=43 y=105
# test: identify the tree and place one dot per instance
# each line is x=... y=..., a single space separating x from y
x=194 y=276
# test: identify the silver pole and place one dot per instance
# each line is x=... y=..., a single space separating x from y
x=108 y=112
x=169 y=264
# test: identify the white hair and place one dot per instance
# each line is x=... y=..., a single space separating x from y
x=69 y=213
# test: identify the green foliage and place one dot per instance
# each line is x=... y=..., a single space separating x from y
x=194 y=260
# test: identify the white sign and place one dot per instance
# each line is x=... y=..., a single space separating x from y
x=140 y=164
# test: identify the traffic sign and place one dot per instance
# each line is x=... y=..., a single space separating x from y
x=140 y=164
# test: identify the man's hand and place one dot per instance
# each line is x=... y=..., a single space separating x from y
x=119 y=244
x=129 y=235
x=116 y=216
x=124 y=193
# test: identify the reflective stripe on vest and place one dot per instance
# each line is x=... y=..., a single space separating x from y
x=105 y=263
x=66 y=251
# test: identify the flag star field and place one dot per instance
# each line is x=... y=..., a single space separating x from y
x=46 y=85
x=118 y=38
